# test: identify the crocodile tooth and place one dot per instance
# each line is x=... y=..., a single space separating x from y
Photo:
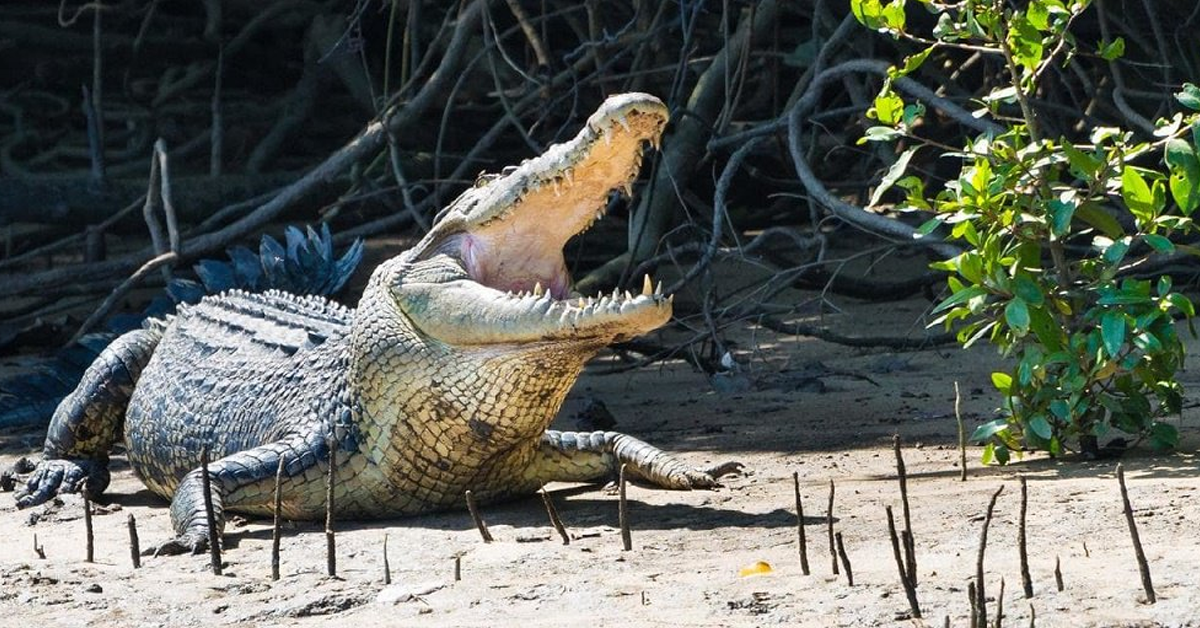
x=656 y=142
x=627 y=188
x=605 y=302
x=658 y=288
x=628 y=296
x=671 y=300
x=537 y=289
x=616 y=294
x=623 y=122
x=647 y=287
x=557 y=189
x=582 y=303
x=569 y=176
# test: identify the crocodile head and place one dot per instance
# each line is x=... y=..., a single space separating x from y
x=491 y=270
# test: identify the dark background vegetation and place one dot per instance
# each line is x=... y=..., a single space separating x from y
x=371 y=116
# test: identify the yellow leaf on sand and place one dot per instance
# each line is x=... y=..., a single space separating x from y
x=757 y=569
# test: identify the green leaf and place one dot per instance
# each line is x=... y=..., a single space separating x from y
x=1040 y=426
x=1002 y=94
x=1038 y=15
x=1185 y=192
x=1112 y=328
x=1002 y=454
x=893 y=15
x=914 y=61
x=1025 y=42
x=961 y=296
x=893 y=174
x=1113 y=50
x=1179 y=154
x=1028 y=290
x=1189 y=97
x=1181 y=303
x=1102 y=134
x=867 y=12
x=929 y=226
x=912 y=113
x=880 y=134
x=1084 y=164
x=989 y=454
x=970 y=266
x=1137 y=194
x=1061 y=213
x=1163 y=436
x=1016 y=314
x=1116 y=251
x=966 y=230
x=1147 y=342
x=1159 y=243
x=1047 y=330
x=1099 y=219
x=1164 y=285
x=989 y=429
x=1185 y=174
x=1123 y=297
x=1002 y=382
x=889 y=108
x=946 y=29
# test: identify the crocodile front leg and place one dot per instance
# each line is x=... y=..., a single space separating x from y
x=595 y=456
x=88 y=422
x=245 y=482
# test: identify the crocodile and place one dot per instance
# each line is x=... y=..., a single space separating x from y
x=445 y=378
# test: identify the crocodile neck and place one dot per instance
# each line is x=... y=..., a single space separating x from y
x=435 y=418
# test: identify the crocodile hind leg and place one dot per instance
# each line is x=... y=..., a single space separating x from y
x=593 y=456
x=88 y=422
x=245 y=481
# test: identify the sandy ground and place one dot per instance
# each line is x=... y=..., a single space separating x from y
x=819 y=410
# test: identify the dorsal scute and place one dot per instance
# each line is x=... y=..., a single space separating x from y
x=272 y=319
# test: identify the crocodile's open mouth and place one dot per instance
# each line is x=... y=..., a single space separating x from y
x=549 y=199
x=507 y=234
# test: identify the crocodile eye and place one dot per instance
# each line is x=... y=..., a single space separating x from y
x=485 y=178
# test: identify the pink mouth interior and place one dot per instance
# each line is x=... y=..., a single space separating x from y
x=523 y=265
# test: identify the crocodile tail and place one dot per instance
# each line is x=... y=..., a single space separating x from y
x=30 y=398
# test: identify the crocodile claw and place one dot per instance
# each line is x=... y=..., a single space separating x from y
x=725 y=468
x=709 y=477
x=61 y=475
x=186 y=543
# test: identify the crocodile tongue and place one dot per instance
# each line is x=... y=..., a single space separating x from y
x=508 y=233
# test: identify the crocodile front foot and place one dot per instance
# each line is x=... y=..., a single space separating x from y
x=62 y=475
